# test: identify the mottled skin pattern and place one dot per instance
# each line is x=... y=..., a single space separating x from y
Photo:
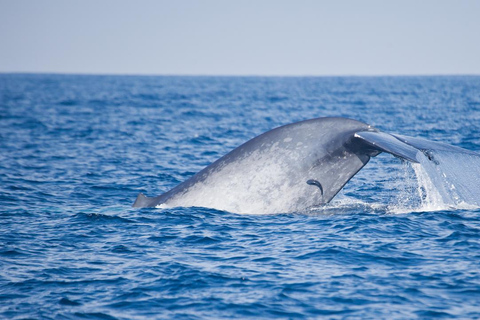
x=289 y=168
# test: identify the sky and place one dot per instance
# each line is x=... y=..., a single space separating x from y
x=243 y=37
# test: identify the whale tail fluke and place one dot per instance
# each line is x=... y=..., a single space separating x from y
x=268 y=173
x=385 y=142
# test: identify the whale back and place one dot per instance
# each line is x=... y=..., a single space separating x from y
x=287 y=169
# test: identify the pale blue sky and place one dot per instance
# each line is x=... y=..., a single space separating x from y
x=258 y=37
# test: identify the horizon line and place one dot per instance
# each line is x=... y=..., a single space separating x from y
x=64 y=73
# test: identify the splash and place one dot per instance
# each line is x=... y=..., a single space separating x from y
x=349 y=206
x=442 y=180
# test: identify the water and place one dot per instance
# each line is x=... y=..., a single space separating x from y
x=76 y=150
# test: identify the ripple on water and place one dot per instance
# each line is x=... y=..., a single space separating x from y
x=76 y=151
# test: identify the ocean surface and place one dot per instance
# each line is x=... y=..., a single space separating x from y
x=75 y=151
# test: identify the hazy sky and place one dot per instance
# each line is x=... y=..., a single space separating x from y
x=258 y=37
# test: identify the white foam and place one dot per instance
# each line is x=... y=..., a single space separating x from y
x=446 y=181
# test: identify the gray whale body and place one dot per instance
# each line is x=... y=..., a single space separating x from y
x=291 y=168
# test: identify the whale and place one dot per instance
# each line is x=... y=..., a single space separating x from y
x=293 y=167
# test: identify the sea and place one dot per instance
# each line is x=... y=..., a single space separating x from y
x=76 y=150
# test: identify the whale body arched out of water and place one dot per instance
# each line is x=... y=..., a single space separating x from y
x=293 y=167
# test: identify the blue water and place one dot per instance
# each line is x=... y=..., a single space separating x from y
x=76 y=150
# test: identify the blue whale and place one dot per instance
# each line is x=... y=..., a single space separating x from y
x=292 y=168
